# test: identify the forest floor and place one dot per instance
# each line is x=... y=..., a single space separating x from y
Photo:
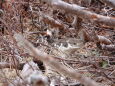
x=66 y=43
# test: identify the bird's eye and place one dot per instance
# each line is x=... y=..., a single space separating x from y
x=40 y=82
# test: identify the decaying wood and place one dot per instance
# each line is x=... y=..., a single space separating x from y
x=51 y=62
x=82 y=12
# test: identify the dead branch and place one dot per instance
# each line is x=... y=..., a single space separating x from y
x=10 y=65
x=51 y=62
x=51 y=21
x=108 y=47
x=101 y=39
x=86 y=37
x=82 y=12
x=102 y=42
x=77 y=24
x=54 y=23
x=109 y=2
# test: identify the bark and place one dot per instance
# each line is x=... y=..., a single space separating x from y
x=82 y=12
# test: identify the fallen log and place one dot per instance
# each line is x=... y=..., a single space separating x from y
x=82 y=12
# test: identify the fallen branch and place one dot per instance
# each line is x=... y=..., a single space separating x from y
x=52 y=22
x=10 y=65
x=101 y=39
x=104 y=40
x=108 y=47
x=82 y=12
x=77 y=24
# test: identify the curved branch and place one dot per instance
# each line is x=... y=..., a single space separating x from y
x=82 y=12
